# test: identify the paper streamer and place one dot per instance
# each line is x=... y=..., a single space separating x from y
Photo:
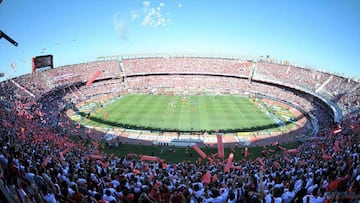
x=281 y=147
x=199 y=151
x=276 y=165
x=66 y=150
x=287 y=159
x=99 y=157
x=23 y=137
x=93 y=78
x=207 y=177
x=337 y=131
x=106 y=114
x=46 y=161
x=292 y=151
x=261 y=162
x=210 y=159
x=214 y=178
x=246 y=152
x=220 y=146
x=105 y=165
x=229 y=162
x=62 y=159
x=149 y=158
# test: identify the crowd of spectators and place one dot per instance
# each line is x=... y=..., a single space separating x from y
x=187 y=65
x=108 y=87
x=45 y=81
x=36 y=168
x=39 y=163
x=216 y=83
x=343 y=91
x=301 y=77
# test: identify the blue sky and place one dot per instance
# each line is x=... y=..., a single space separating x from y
x=324 y=34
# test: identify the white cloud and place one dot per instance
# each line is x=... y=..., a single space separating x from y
x=180 y=5
x=134 y=15
x=120 y=26
x=146 y=4
x=153 y=16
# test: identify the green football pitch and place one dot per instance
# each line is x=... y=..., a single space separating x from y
x=182 y=113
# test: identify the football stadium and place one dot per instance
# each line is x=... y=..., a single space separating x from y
x=182 y=103
x=175 y=127
x=189 y=107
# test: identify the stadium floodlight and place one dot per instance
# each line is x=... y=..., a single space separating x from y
x=3 y=35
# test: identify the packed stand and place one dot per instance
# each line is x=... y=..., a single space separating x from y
x=38 y=162
x=326 y=168
x=215 y=83
x=287 y=74
x=110 y=87
x=44 y=81
x=343 y=91
x=187 y=65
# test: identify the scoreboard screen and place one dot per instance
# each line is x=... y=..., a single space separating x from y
x=40 y=63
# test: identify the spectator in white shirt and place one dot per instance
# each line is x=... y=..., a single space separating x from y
x=310 y=198
x=108 y=197
x=289 y=194
x=274 y=196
